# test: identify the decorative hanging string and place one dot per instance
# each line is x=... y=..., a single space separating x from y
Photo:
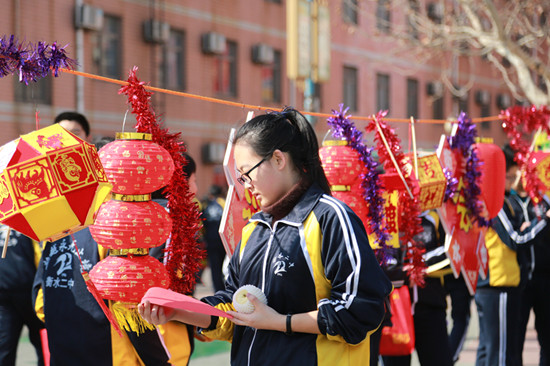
x=518 y=122
x=342 y=127
x=262 y=108
x=34 y=62
x=463 y=140
x=393 y=160
x=184 y=254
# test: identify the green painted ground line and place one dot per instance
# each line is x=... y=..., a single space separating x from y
x=203 y=349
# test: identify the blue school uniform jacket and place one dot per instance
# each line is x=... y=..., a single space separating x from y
x=315 y=258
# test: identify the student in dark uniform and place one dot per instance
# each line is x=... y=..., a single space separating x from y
x=534 y=259
x=212 y=213
x=498 y=295
x=461 y=301
x=535 y=287
x=78 y=331
x=16 y=276
x=308 y=252
x=429 y=302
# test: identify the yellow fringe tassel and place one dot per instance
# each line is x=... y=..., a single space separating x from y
x=128 y=317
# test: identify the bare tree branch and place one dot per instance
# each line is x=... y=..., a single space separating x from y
x=512 y=31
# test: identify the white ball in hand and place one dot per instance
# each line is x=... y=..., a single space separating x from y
x=241 y=302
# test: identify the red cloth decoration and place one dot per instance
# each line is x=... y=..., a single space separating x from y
x=184 y=250
x=409 y=218
x=124 y=225
x=518 y=122
x=136 y=166
x=398 y=339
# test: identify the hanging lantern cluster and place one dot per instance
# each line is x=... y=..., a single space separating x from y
x=130 y=224
x=51 y=183
x=344 y=173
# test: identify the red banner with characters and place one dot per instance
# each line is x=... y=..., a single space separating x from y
x=465 y=241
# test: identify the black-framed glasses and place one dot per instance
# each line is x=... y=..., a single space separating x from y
x=245 y=178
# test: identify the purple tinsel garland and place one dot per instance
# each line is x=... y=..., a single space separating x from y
x=451 y=186
x=463 y=141
x=31 y=62
x=342 y=127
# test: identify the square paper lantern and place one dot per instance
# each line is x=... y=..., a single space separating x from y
x=431 y=181
x=51 y=183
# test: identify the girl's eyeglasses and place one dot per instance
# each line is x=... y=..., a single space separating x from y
x=245 y=178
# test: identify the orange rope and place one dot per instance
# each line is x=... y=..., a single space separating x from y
x=258 y=107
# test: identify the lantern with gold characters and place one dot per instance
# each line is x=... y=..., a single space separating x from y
x=51 y=183
x=130 y=224
x=430 y=178
x=343 y=168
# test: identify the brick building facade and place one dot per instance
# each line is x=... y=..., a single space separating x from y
x=232 y=50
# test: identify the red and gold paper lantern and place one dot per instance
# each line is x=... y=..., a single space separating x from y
x=130 y=223
x=493 y=177
x=51 y=183
x=126 y=277
x=431 y=181
x=343 y=169
x=136 y=165
x=121 y=225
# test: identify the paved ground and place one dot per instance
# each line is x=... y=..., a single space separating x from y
x=27 y=357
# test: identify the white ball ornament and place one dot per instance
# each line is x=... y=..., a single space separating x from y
x=241 y=302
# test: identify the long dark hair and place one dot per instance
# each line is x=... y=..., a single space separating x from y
x=290 y=132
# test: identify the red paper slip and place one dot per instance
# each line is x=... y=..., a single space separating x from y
x=163 y=297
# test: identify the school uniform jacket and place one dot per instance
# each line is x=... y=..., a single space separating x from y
x=315 y=258
x=501 y=240
x=18 y=268
x=432 y=239
x=535 y=255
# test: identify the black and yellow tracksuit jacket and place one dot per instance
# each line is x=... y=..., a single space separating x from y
x=535 y=257
x=502 y=239
x=315 y=258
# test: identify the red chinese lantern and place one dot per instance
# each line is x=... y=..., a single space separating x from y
x=137 y=165
x=343 y=168
x=121 y=225
x=128 y=275
x=131 y=223
x=493 y=176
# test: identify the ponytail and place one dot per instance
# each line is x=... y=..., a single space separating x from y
x=288 y=131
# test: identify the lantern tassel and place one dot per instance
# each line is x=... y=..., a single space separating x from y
x=127 y=316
